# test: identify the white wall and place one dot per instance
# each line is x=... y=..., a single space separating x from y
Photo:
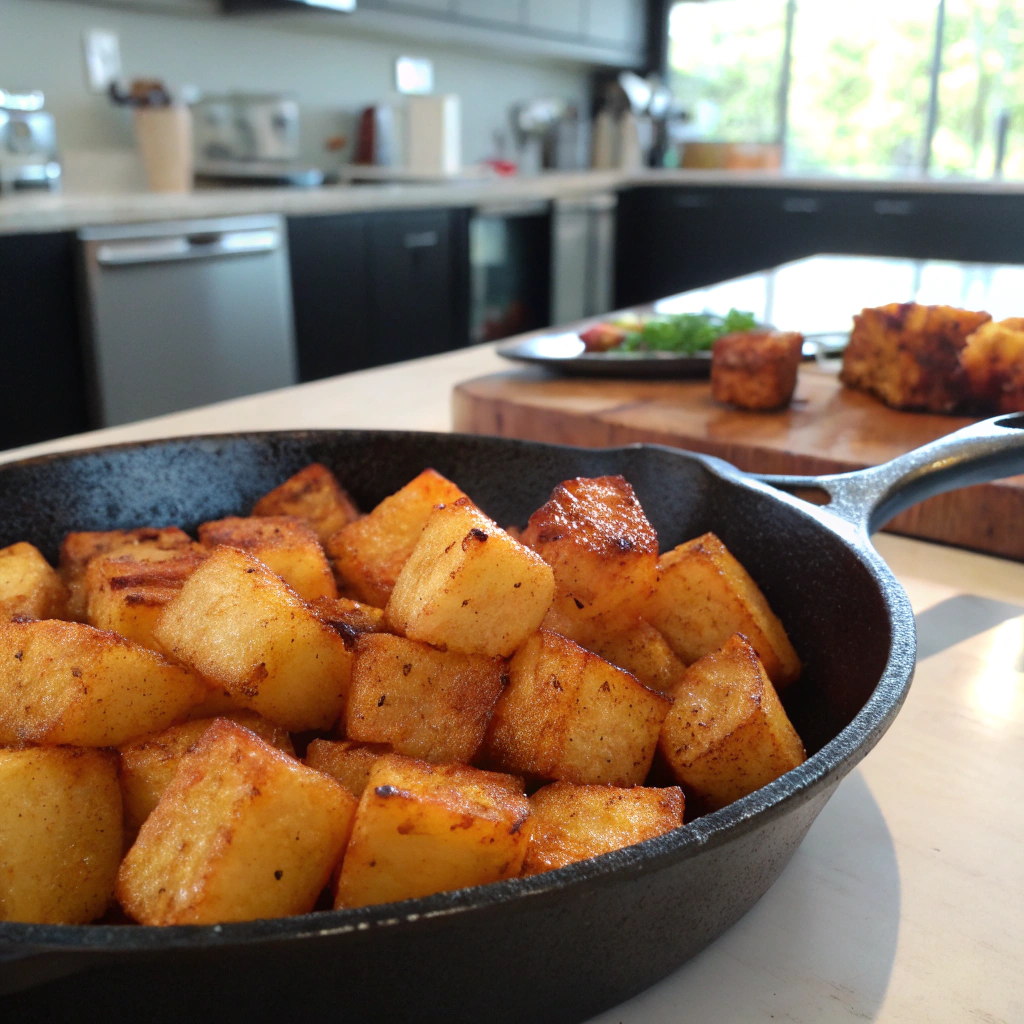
x=334 y=73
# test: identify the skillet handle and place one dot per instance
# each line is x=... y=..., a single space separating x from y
x=869 y=498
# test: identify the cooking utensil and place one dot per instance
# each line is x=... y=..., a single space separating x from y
x=558 y=946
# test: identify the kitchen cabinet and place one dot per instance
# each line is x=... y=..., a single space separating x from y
x=564 y=17
x=615 y=22
x=502 y=12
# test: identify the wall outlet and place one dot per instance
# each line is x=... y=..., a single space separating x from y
x=102 y=52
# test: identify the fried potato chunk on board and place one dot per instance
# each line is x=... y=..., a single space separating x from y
x=144 y=544
x=369 y=553
x=242 y=832
x=423 y=828
x=60 y=834
x=571 y=716
x=704 y=596
x=243 y=628
x=29 y=586
x=469 y=587
x=425 y=703
x=127 y=595
x=284 y=544
x=571 y=823
x=993 y=360
x=727 y=733
x=65 y=682
x=314 y=495
x=350 y=763
x=641 y=650
x=756 y=369
x=604 y=552
x=148 y=764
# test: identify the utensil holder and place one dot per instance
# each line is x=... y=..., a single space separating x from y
x=164 y=137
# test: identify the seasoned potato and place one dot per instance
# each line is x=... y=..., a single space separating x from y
x=425 y=703
x=571 y=823
x=348 y=618
x=144 y=544
x=126 y=595
x=29 y=586
x=470 y=587
x=369 y=553
x=704 y=596
x=350 y=763
x=640 y=650
x=569 y=715
x=284 y=544
x=315 y=496
x=423 y=828
x=65 y=682
x=727 y=733
x=993 y=360
x=242 y=832
x=60 y=834
x=604 y=552
x=147 y=765
x=756 y=369
x=239 y=625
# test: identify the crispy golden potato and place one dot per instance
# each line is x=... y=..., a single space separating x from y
x=286 y=545
x=993 y=360
x=350 y=763
x=369 y=553
x=126 y=595
x=425 y=703
x=571 y=823
x=144 y=544
x=29 y=586
x=756 y=369
x=242 y=832
x=147 y=765
x=423 y=828
x=641 y=650
x=315 y=496
x=603 y=551
x=349 y=619
x=65 y=682
x=60 y=834
x=727 y=733
x=908 y=355
x=469 y=586
x=569 y=715
x=243 y=628
x=704 y=596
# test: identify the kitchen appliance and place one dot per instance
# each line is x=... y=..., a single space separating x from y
x=181 y=314
x=28 y=143
x=583 y=256
x=563 y=945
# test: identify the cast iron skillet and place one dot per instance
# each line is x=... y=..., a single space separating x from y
x=559 y=946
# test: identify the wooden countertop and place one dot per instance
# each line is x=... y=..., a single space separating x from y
x=903 y=905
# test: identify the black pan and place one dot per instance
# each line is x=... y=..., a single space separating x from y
x=554 y=947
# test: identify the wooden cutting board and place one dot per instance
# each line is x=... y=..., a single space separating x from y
x=827 y=429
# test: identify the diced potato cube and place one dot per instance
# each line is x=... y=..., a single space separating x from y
x=469 y=586
x=241 y=627
x=126 y=595
x=571 y=823
x=993 y=362
x=29 y=586
x=704 y=596
x=284 y=544
x=348 y=618
x=423 y=828
x=604 y=552
x=425 y=703
x=60 y=834
x=242 y=832
x=350 y=763
x=569 y=715
x=314 y=495
x=727 y=733
x=369 y=553
x=641 y=650
x=148 y=764
x=64 y=682
x=144 y=544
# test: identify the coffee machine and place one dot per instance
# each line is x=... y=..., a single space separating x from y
x=28 y=143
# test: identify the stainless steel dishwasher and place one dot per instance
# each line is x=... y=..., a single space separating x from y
x=185 y=313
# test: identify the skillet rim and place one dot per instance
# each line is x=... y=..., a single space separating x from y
x=786 y=793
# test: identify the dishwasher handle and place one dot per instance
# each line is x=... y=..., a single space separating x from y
x=176 y=248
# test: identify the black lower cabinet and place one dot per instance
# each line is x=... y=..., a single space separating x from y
x=42 y=387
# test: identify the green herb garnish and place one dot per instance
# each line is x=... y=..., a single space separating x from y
x=686 y=333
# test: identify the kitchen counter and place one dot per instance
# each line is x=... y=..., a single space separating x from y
x=903 y=903
x=29 y=212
